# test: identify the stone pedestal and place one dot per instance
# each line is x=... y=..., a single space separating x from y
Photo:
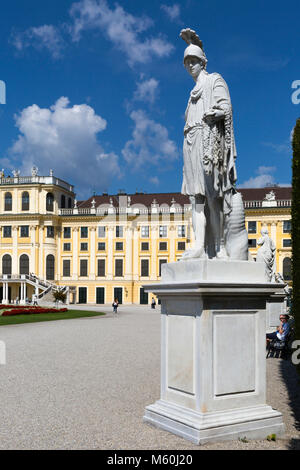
x=276 y=305
x=213 y=367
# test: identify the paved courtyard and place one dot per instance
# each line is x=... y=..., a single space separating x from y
x=84 y=384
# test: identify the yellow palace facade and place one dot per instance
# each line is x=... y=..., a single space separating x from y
x=109 y=246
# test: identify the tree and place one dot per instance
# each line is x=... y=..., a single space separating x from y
x=59 y=296
x=296 y=229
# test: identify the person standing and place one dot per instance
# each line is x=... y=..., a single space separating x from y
x=115 y=305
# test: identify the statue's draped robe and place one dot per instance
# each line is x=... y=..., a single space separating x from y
x=209 y=151
x=266 y=255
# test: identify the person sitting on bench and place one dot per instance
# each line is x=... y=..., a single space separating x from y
x=282 y=330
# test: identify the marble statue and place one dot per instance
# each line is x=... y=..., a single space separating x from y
x=266 y=254
x=209 y=154
x=34 y=171
x=279 y=278
x=270 y=196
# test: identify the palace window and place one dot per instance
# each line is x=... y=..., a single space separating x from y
x=181 y=231
x=119 y=246
x=181 y=246
x=67 y=232
x=63 y=201
x=101 y=231
x=252 y=242
x=25 y=201
x=66 y=268
x=50 y=231
x=24 y=231
x=287 y=269
x=161 y=262
x=101 y=268
x=7 y=231
x=67 y=246
x=119 y=231
x=83 y=267
x=50 y=267
x=145 y=246
x=144 y=267
x=145 y=231
x=6 y=264
x=163 y=246
x=252 y=227
x=101 y=246
x=84 y=232
x=24 y=264
x=8 y=202
x=163 y=231
x=49 y=202
x=84 y=246
x=287 y=226
x=118 y=267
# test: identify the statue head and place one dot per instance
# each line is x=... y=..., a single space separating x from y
x=195 y=51
x=194 y=66
x=264 y=231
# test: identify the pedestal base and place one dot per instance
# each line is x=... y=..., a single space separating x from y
x=250 y=423
x=213 y=347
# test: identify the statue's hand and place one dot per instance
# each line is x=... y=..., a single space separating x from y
x=213 y=115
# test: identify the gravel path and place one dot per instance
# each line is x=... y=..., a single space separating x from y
x=84 y=384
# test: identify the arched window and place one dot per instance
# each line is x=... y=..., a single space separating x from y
x=63 y=201
x=287 y=269
x=69 y=203
x=25 y=201
x=24 y=264
x=6 y=264
x=50 y=267
x=49 y=202
x=8 y=202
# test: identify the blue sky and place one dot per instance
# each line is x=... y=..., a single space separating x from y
x=96 y=90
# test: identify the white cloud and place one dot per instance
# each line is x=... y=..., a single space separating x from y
x=263 y=179
x=64 y=138
x=120 y=27
x=41 y=37
x=150 y=142
x=172 y=11
x=154 y=180
x=279 y=148
x=146 y=91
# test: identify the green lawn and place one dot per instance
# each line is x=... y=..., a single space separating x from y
x=38 y=317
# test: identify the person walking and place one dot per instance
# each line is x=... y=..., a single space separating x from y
x=115 y=305
x=153 y=303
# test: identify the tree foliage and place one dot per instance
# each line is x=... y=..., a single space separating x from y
x=59 y=296
x=296 y=229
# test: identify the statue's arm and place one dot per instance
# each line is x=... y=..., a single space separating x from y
x=221 y=98
x=221 y=103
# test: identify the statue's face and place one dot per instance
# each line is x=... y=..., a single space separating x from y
x=193 y=65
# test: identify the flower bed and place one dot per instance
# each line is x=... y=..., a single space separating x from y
x=30 y=310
